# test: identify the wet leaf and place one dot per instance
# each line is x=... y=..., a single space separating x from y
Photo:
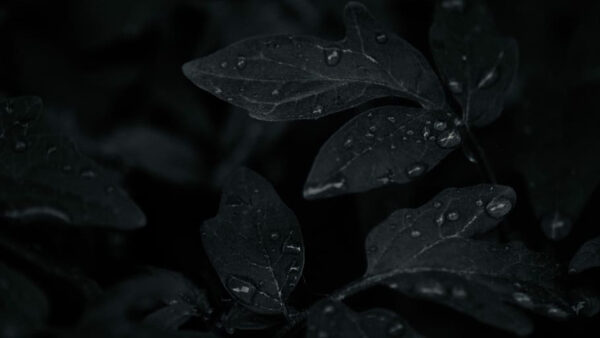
x=255 y=244
x=379 y=147
x=428 y=253
x=587 y=257
x=241 y=318
x=476 y=62
x=332 y=319
x=158 y=298
x=286 y=77
x=23 y=306
x=45 y=176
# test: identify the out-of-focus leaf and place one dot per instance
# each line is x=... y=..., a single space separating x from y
x=476 y=63
x=587 y=257
x=159 y=298
x=428 y=253
x=23 y=306
x=45 y=176
x=255 y=244
x=381 y=146
x=295 y=77
x=585 y=301
x=241 y=318
x=331 y=319
x=156 y=152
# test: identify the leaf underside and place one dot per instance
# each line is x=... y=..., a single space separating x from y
x=45 y=176
x=333 y=319
x=428 y=253
x=287 y=77
x=255 y=244
x=587 y=257
x=381 y=146
x=475 y=62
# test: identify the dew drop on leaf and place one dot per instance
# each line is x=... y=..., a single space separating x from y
x=318 y=109
x=396 y=329
x=523 y=299
x=556 y=225
x=415 y=234
x=275 y=92
x=20 y=146
x=224 y=64
x=453 y=4
x=430 y=288
x=437 y=204
x=488 y=79
x=416 y=170
x=459 y=292
x=440 y=125
x=381 y=38
x=88 y=173
x=332 y=56
x=455 y=86
x=391 y=119
x=449 y=139
x=498 y=207
x=328 y=309
x=348 y=143
x=479 y=203
x=241 y=62
x=453 y=216
x=274 y=236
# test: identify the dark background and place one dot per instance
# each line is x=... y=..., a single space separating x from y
x=109 y=73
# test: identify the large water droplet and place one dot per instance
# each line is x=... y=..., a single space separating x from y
x=396 y=329
x=244 y=290
x=455 y=86
x=449 y=139
x=381 y=37
x=479 y=203
x=416 y=170
x=453 y=215
x=498 y=207
x=241 y=62
x=488 y=79
x=332 y=56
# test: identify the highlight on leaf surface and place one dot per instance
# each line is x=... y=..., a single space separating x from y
x=385 y=145
x=255 y=244
x=44 y=175
x=476 y=63
x=429 y=253
x=288 y=77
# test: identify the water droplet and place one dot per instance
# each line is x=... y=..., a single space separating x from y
x=440 y=125
x=437 y=204
x=218 y=90
x=393 y=285
x=328 y=309
x=318 y=109
x=332 y=56
x=292 y=248
x=391 y=119
x=369 y=135
x=557 y=313
x=348 y=143
x=224 y=64
x=275 y=92
x=87 y=173
x=410 y=132
x=498 y=207
x=392 y=146
x=523 y=299
x=426 y=132
x=556 y=226
x=488 y=79
x=372 y=128
x=241 y=62
x=439 y=220
x=453 y=216
x=455 y=86
x=396 y=329
x=415 y=234
x=453 y=4
x=241 y=288
x=416 y=170
x=479 y=203
x=274 y=236
x=20 y=146
x=459 y=292
x=430 y=288
x=381 y=37
x=464 y=58
x=51 y=150
x=449 y=139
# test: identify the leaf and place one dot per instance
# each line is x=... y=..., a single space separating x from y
x=23 y=306
x=255 y=244
x=239 y=317
x=332 y=319
x=587 y=257
x=159 y=298
x=287 y=77
x=381 y=146
x=476 y=63
x=45 y=176
x=428 y=253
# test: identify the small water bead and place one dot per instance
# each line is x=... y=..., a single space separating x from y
x=437 y=204
x=20 y=146
x=556 y=225
x=455 y=86
x=557 y=313
x=332 y=56
x=369 y=135
x=415 y=234
x=410 y=132
x=459 y=292
x=328 y=309
x=348 y=143
x=453 y=216
x=391 y=119
x=498 y=207
x=523 y=299
x=241 y=62
x=479 y=203
x=275 y=92
x=396 y=329
x=426 y=132
x=449 y=139
x=318 y=109
x=439 y=220
x=440 y=125
x=416 y=170
x=372 y=128
x=488 y=79
x=218 y=90
x=392 y=146
x=274 y=236
x=88 y=173
x=430 y=289
x=51 y=150
x=381 y=38
x=224 y=64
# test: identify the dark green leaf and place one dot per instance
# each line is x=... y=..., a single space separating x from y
x=241 y=318
x=428 y=253
x=381 y=146
x=45 y=176
x=255 y=244
x=476 y=63
x=587 y=257
x=288 y=77
x=332 y=319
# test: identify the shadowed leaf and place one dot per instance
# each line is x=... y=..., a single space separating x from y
x=587 y=257
x=381 y=146
x=476 y=63
x=255 y=244
x=286 y=77
x=45 y=176
x=332 y=319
